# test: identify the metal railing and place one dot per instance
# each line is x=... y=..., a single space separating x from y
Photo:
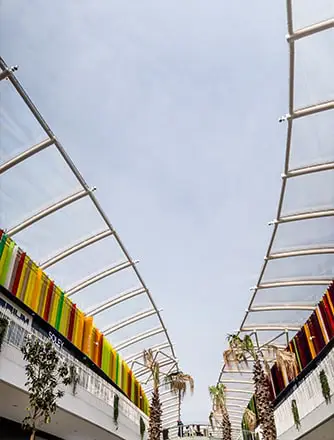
x=88 y=380
x=308 y=395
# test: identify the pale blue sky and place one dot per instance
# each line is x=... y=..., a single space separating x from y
x=171 y=109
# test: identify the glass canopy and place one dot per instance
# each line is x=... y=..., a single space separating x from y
x=53 y=214
x=299 y=263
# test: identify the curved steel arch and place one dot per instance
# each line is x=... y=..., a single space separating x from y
x=61 y=255
x=289 y=173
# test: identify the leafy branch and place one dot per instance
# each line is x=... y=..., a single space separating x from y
x=45 y=373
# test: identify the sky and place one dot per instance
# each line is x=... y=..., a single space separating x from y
x=170 y=108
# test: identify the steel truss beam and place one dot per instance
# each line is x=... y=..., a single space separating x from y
x=264 y=327
x=172 y=412
x=105 y=305
x=302 y=216
x=20 y=90
x=6 y=72
x=238 y=371
x=311 y=110
x=170 y=399
x=240 y=399
x=75 y=248
x=149 y=390
x=170 y=418
x=146 y=370
x=294 y=283
x=164 y=393
x=308 y=170
x=138 y=338
x=47 y=211
x=173 y=405
x=235 y=390
x=25 y=155
x=128 y=321
x=301 y=253
x=310 y=30
x=139 y=354
x=99 y=276
x=282 y=307
x=238 y=381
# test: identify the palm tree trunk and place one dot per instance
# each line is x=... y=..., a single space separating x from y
x=155 y=427
x=263 y=402
x=33 y=435
x=179 y=407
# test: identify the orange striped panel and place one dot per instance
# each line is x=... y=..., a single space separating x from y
x=310 y=341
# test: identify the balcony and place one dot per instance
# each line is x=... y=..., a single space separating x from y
x=316 y=417
x=87 y=415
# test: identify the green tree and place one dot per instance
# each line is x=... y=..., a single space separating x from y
x=218 y=396
x=45 y=373
x=240 y=351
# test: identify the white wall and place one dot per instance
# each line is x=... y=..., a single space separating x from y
x=311 y=404
x=84 y=404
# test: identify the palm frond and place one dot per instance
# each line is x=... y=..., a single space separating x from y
x=250 y=419
x=287 y=360
x=178 y=383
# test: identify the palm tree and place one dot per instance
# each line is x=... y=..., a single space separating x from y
x=238 y=352
x=218 y=396
x=178 y=383
x=155 y=426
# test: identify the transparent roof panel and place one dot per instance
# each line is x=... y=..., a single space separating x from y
x=308 y=193
x=302 y=267
x=122 y=311
x=101 y=271
x=135 y=329
x=18 y=127
x=312 y=140
x=231 y=393
x=288 y=295
x=306 y=276
x=92 y=259
x=60 y=230
x=46 y=179
x=143 y=345
x=104 y=289
x=235 y=376
x=266 y=338
x=307 y=12
x=304 y=234
x=314 y=69
x=294 y=317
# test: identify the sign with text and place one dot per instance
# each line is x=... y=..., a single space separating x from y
x=15 y=312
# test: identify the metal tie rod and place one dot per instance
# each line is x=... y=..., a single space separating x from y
x=138 y=338
x=128 y=321
x=95 y=278
x=47 y=211
x=111 y=302
x=75 y=248
x=16 y=84
x=6 y=71
x=146 y=370
x=139 y=354
x=25 y=155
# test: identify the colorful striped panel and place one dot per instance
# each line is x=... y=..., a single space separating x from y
x=25 y=280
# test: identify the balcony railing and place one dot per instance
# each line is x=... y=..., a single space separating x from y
x=88 y=380
x=308 y=395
